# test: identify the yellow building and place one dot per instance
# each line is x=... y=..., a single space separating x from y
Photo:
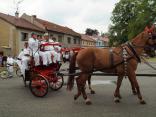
x=14 y=31
x=87 y=41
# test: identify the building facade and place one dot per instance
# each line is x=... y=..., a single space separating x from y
x=15 y=31
x=87 y=41
x=64 y=35
x=101 y=41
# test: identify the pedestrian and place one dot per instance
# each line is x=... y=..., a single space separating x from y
x=23 y=59
x=10 y=63
x=1 y=56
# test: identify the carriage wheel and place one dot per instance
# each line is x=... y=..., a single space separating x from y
x=4 y=74
x=38 y=86
x=57 y=82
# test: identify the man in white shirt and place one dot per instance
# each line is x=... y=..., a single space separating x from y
x=43 y=53
x=49 y=49
x=33 y=44
x=24 y=59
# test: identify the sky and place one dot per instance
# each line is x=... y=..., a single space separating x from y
x=75 y=14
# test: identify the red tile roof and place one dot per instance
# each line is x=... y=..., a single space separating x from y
x=19 y=22
x=87 y=38
x=57 y=28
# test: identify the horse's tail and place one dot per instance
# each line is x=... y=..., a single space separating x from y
x=70 y=82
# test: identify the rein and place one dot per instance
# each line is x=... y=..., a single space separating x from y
x=130 y=46
x=147 y=63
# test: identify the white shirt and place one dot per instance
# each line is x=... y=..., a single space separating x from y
x=33 y=45
x=10 y=61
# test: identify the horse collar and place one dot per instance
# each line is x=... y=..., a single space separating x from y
x=130 y=46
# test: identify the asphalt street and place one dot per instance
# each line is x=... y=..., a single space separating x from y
x=17 y=100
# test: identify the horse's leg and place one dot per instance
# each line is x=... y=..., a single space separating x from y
x=132 y=76
x=117 y=90
x=89 y=84
x=133 y=87
x=78 y=89
x=81 y=82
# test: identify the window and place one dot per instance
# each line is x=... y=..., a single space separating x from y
x=78 y=40
x=69 y=40
x=24 y=36
x=74 y=41
x=60 y=38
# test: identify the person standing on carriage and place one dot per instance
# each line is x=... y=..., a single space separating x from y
x=33 y=44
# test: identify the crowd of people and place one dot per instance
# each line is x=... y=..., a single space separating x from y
x=43 y=50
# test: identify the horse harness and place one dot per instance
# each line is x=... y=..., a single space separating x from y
x=125 y=54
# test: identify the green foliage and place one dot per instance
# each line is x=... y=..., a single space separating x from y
x=91 y=32
x=130 y=18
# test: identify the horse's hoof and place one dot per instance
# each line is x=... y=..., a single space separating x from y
x=88 y=101
x=92 y=92
x=117 y=100
x=134 y=93
x=75 y=97
x=142 y=102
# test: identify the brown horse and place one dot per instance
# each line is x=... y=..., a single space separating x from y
x=109 y=60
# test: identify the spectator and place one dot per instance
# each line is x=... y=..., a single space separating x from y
x=10 y=62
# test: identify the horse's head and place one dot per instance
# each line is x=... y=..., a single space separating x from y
x=151 y=36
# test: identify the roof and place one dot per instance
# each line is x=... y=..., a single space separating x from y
x=87 y=38
x=19 y=22
x=57 y=28
x=104 y=38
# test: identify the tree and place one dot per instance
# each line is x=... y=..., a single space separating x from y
x=129 y=18
x=91 y=32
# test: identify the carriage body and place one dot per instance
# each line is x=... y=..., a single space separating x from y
x=42 y=77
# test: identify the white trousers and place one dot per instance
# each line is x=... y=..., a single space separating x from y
x=36 y=58
x=46 y=57
x=24 y=64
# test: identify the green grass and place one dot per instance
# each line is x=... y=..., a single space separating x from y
x=152 y=59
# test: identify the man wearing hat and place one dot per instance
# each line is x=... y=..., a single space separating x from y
x=34 y=48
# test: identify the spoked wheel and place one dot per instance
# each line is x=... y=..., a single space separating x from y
x=4 y=74
x=38 y=86
x=57 y=82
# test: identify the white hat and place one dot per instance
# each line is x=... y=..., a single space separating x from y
x=46 y=34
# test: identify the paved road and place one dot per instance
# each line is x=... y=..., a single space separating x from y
x=17 y=101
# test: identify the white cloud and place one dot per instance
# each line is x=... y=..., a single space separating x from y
x=76 y=14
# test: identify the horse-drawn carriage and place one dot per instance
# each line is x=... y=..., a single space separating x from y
x=42 y=77
x=121 y=61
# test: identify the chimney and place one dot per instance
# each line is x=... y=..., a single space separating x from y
x=33 y=17
x=16 y=14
